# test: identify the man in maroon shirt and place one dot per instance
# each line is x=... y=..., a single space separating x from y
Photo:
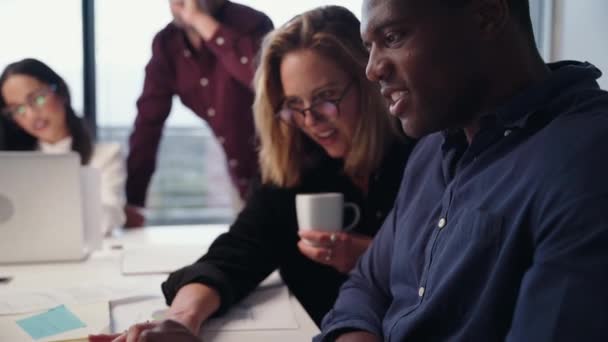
x=205 y=56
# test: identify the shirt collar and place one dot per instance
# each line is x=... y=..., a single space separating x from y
x=62 y=146
x=565 y=77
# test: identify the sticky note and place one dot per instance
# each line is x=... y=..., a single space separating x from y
x=55 y=321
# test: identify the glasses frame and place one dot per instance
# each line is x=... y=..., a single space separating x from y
x=31 y=102
x=311 y=109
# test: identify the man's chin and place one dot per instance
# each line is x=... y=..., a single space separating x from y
x=414 y=130
x=179 y=23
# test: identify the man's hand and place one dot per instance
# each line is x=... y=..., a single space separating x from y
x=339 y=250
x=191 y=11
x=197 y=17
x=134 y=217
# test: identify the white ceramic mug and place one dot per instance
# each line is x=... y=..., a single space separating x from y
x=324 y=212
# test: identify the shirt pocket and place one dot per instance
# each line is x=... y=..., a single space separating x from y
x=476 y=228
x=467 y=250
x=465 y=259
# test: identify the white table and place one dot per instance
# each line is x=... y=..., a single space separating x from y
x=104 y=267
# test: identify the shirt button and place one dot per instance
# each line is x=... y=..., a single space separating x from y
x=441 y=223
x=219 y=41
x=244 y=60
x=204 y=81
x=379 y=214
x=211 y=112
x=187 y=53
x=233 y=163
x=507 y=133
x=421 y=291
x=222 y=140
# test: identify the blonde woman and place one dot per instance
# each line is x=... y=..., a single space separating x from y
x=322 y=127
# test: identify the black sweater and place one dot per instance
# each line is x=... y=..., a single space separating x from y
x=264 y=237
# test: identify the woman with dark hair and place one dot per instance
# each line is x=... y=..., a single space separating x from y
x=36 y=107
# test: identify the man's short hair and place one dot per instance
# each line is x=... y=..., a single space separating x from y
x=519 y=8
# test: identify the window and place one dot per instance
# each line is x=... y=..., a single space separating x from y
x=28 y=33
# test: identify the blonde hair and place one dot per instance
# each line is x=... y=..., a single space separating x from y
x=333 y=32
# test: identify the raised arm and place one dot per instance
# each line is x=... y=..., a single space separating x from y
x=234 y=48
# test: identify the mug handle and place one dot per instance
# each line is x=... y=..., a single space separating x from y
x=357 y=212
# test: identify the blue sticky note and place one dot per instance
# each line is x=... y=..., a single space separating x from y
x=52 y=322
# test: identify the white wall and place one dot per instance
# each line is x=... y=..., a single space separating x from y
x=581 y=33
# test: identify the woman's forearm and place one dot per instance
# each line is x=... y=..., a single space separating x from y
x=193 y=305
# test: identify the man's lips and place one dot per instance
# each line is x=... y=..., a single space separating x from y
x=397 y=99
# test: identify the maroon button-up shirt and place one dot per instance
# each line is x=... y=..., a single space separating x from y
x=215 y=82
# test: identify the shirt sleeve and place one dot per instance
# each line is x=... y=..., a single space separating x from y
x=153 y=107
x=365 y=296
x=563 y=295
x=240 y=259
x=237 y=50
x=113 y=176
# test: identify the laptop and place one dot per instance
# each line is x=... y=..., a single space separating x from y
x=41 y=210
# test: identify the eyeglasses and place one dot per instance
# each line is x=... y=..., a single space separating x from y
x=36 y=99
x=323 y=109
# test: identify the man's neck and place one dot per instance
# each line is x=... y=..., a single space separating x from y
x=195 y=39
x=508 y=76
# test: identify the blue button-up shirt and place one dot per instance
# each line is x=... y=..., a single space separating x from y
x=502 y=239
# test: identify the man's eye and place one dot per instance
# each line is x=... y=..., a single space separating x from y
x=392 y=38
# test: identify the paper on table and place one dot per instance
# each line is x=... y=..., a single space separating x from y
x=160 y=258
x=95 y=316
x=267 y=308
x=126 y=312
x=14 y=302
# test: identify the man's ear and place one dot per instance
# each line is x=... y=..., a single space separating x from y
x=492 y=16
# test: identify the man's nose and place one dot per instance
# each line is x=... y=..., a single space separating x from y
x=377 y=66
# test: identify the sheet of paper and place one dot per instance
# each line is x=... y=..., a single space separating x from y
x=267 y=308
x=129 y=311
x=160 y=259
x=13 y=302
x=63 y=323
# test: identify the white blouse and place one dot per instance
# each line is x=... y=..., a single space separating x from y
x=108 y=159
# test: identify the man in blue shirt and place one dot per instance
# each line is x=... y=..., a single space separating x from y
x=500 y=229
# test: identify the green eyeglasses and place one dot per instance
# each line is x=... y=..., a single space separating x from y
x=35 y=100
